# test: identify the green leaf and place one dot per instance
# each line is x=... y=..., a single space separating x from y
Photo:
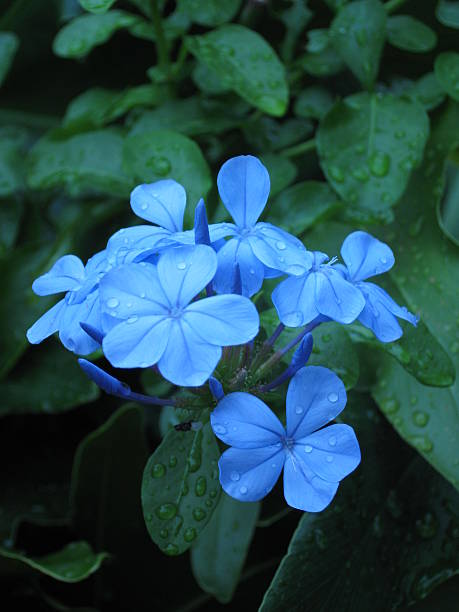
x=448 y=212
x=268 y=134
x=368 y=145
x=313 y=102
x=417 y=351
x=426 y=418
x=75 y=562
x=180 y=488
x=13 y=141
x=303 y=205
x=10 y=219
x=447 y=13
x=78 y=37
x=333 y=349
x=97 y=106
x=295 y=19
x=9 y=43
x=358 y=33
x=427 y=91
x=447 y=73
x=410 y=34
x=154 y=155
x=246 y=63
x=218 y=556
x=83 y=163
x=281 y=171
x=96 y=6
x=208 y=80
x=336 y=4
x=210 y=13
x=381 y=540
x=318 y=40
x=55 y=381
x=321 y=64
x=427 y=264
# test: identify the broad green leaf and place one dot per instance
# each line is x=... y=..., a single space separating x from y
x=425 y=417
x=191 y=116
x=295 y=19
x=427 y=91
x=318 y=40
x=336 y=4
x=154 y=155
x=247 y=64
x=417 y=351
x=208 y=80
x=13 y=142
x=97 y=106
x=303 y=205
x=321 y=64
x=78 y=37
x=83 y=163
x=428 y=264
x=447 y=209
x=380 y=541
x=9 y=43
x=358 y=32
x=268 y=134
x=75 y=562
x=313 y=102
x=410 y=34
x=10 y=219
x=447 y=13
x=447 y=73
x=281 y=171
x=218 y=556
x=210 y=13
x=54 y=381
x=180 y=488
x=174 y=26
x=96 y=6
x=369 y=144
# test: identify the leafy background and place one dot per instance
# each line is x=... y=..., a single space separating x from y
x=354 y=109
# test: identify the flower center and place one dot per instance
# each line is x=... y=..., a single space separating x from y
x=288 y=443
x=176 y=312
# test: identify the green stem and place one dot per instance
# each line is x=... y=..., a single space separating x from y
x=275 y=518
x=161 y=43
x=8 y=19
x=393 y=5
x=304 y=147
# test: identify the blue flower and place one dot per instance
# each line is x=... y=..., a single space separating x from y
x=80 y=304
x=366 y=256
x=156 y=323
x=162 y=203
x=314 y=460
x=320 y=291
x=261 y=249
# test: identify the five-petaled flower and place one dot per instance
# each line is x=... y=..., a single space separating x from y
x=314 y=460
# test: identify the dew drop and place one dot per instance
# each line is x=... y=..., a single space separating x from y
x=243 y=490
x=332 y=397
x=190 y=534
x=133 y=319
x=158 y=470
x=329 y=458
x=181 y=265
x=142 y=295
x=166 y=511
x=144 y=206
x=113 y=302
x=200 y=486
x=172 y=461
x=252 y=271
x=383 y=260
x=219 y=429
x=164 y=533
x=299 y=409
x=332 y=440
x=379 y=164
x=308 y=448
x=129 y=304
x=234 y=476
x=281 y=245
x=171 y=550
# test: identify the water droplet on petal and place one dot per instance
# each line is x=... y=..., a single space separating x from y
x=332 y=440
x=332 y=397
x=243 y=490
x=235 y=476
x=113 y=302
x=308 y=448
x=281 y=245
x=142 y=295
x=181 y=265
x=219 y=429
x=299 y=409
x=329 y=458
x=144 y=206
x=383 y=260
x=133 y=319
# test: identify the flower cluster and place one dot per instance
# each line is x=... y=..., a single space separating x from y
x=179 y=301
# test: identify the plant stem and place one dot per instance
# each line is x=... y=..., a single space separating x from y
x=299 y=149
x=393 y=5
x=161 y=44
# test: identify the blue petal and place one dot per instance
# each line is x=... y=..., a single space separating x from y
x=238 y=251
x=185 y=271
x=47 y=324
x=249 y=475
x=244 y=421
x=331 y=453
x=201 y=226
x=216 y=388
x=97 y=264
x=366 y=256
x=279 y=250
x=217 y=231
x=301 y=354
x=67 y=274
x=294 y=300
x=162 y=203
x=96 y=334
x=243 y=185
x=133 y=290
x=136 y=243
x=223 y=320
x=138 y=343
x=315 y=396
x=72 y=336
x=337 y=298
x=187 y=360
x=302 y=488
x=380 y=312
x=107 y=383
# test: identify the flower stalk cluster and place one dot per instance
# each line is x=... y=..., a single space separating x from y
x=179 y=301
